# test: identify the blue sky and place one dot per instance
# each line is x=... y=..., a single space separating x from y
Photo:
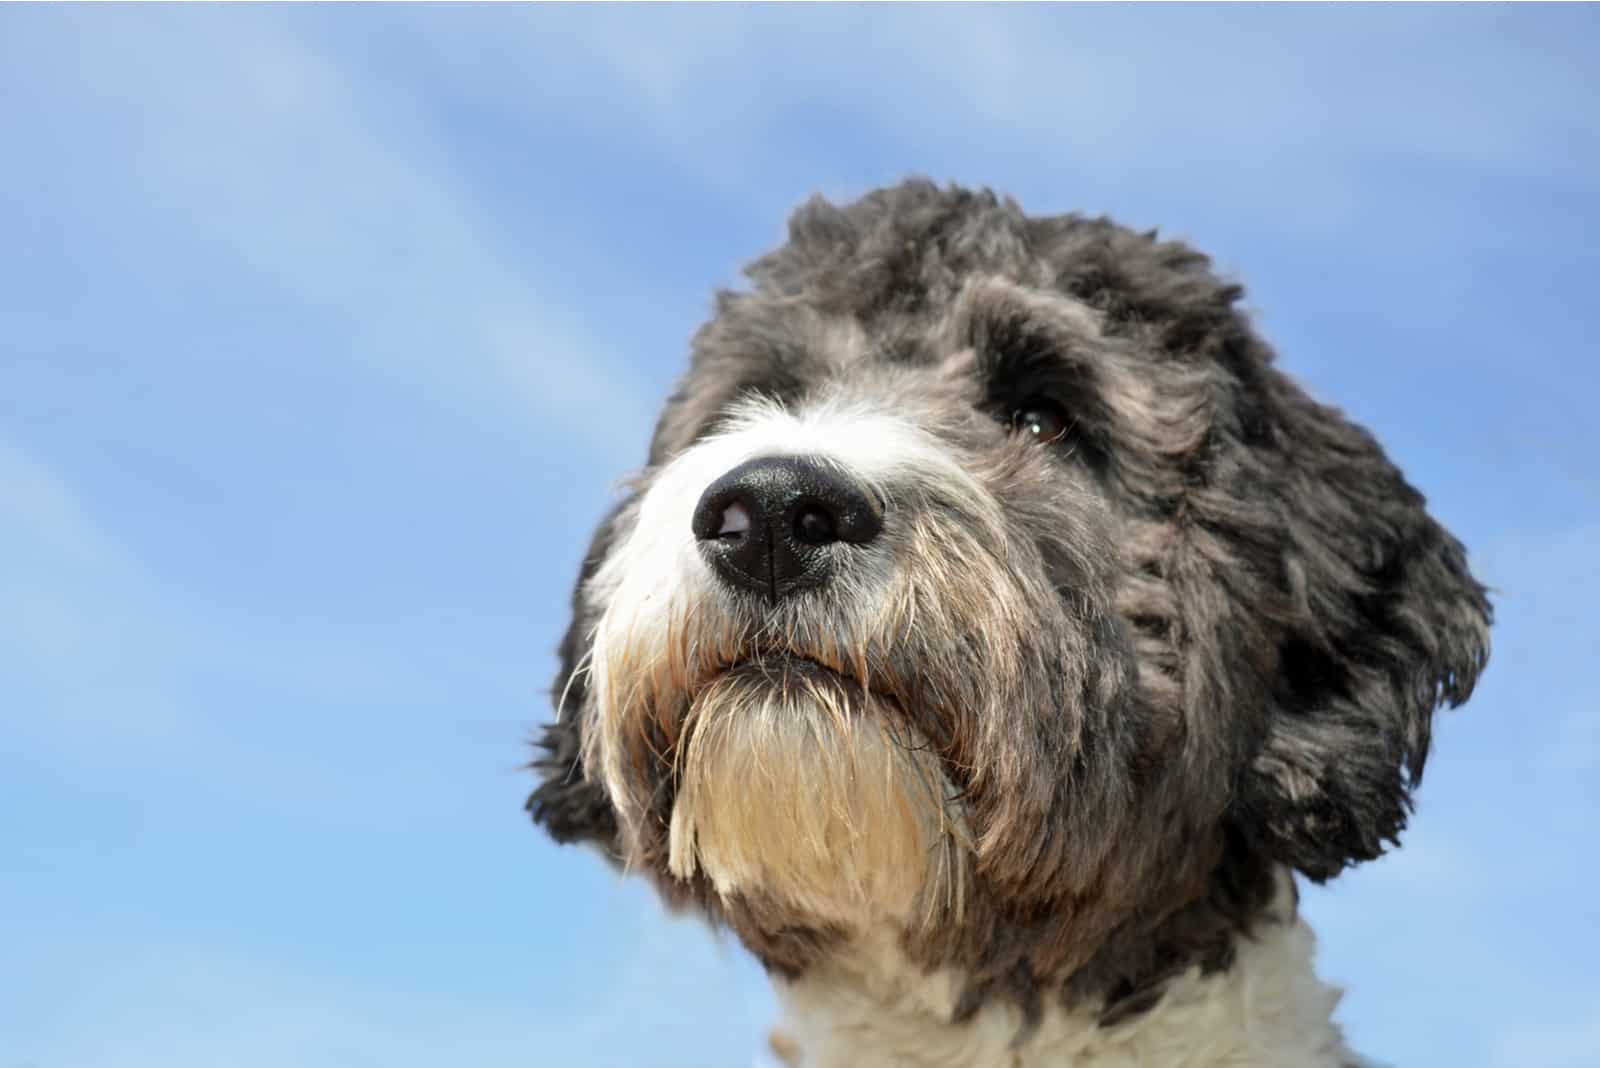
x=326 y=333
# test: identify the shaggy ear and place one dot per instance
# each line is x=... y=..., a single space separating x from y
x=566 y=803
x=1384 y=625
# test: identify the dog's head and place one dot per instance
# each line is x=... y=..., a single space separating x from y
x=988 y=584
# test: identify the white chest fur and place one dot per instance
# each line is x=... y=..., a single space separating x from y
x=873 y=1010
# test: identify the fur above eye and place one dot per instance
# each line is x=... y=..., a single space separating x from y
x=1041 y=419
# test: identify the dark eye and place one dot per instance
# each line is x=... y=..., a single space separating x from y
x=1042 y=420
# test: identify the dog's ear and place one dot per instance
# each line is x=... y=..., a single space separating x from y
x=566 y=802
x=1384 y=624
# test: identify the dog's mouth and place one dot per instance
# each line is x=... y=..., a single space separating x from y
x=783 y=669
x=778 y=667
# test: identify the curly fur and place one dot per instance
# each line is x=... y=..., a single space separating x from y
x=1216 y=620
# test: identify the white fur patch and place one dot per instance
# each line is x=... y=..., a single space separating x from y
x=872 y=1009
x=655 y=581
x=869 y=444
x=789 y=793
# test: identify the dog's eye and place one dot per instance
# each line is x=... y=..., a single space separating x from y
x=1042 y=420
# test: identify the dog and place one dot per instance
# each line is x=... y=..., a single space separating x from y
x=993 y=636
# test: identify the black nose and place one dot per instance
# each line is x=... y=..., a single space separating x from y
x=773 y=524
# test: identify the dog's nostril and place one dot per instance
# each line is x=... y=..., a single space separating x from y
x=735 y=521
x=814 y=526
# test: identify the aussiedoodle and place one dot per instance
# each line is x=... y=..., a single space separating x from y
x=991 y=638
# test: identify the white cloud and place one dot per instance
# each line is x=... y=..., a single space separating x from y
x=76 y=634
x=40 y=508
x=328 y=182
x=1056 y=106
x=339 y=198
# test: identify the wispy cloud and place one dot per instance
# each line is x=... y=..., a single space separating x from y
x=1064 y=104
x=303 y=632
x=338 y=199
x=76 y=638
x=38 y=509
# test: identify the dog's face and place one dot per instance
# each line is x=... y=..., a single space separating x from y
x=987 y=584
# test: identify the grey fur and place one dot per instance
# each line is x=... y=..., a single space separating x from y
x=1244 y=618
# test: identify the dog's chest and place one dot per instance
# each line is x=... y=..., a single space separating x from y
x=1268 y=1010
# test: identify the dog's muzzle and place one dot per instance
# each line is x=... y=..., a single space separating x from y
x=774 y=525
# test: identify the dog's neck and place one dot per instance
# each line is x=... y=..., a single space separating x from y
x=870 y=1008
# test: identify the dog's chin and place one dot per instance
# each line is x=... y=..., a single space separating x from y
x=800 y=787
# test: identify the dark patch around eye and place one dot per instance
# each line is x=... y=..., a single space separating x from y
x=1021 y=366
